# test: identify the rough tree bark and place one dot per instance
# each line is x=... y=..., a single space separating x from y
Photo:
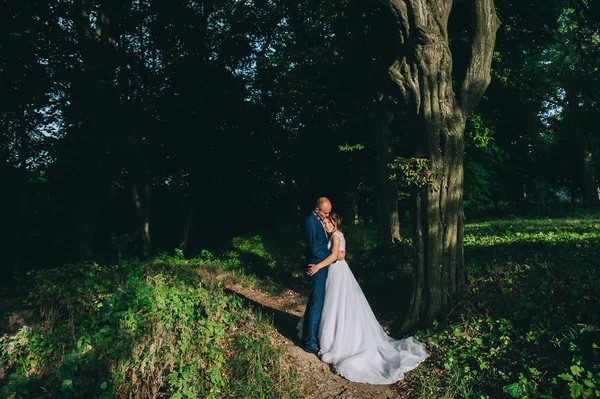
x=422 y=71
x=388 y=220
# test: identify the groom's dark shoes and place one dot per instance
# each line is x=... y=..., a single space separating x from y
x=314 y=351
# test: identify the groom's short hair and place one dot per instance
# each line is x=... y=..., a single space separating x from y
x=321 y=201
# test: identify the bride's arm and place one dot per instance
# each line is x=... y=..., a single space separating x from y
x=335 y=247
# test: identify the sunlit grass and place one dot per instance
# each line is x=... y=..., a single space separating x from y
x=554 y=231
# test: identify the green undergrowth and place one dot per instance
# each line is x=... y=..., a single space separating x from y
x=529 y=324
x=140 y=330
x=272 y=261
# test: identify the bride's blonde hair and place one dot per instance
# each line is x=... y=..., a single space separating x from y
x=336 y=220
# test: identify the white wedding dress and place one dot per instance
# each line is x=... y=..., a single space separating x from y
x=351 y=338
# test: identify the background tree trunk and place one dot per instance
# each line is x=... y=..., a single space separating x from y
x=351 y=208
x=573 y=192
x=96 y=44
x=388 y=221
x=590 y=186
x=422 y=71
x=85 y=219
x=143 y=213
x=20 y=228
x=185 y=234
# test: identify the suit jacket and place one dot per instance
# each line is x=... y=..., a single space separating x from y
x=316 y=240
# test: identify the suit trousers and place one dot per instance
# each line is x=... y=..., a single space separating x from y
x=312 y=318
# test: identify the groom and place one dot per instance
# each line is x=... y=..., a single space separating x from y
x=316 y=241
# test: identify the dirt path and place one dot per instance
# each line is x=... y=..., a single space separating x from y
x=318 y=381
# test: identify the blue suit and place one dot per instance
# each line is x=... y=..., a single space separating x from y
x=316 y=241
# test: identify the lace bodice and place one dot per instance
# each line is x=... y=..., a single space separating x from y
x=342 y=240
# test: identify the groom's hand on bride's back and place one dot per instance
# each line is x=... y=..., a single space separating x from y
x=341 y=255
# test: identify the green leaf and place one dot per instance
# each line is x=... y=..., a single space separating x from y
x=66 y=384
x=589 y=383
x=566 y=377
x=588 y=393
x=349 y=148
x=515 y=390
x=576 y=389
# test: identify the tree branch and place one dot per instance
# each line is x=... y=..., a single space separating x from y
x=407 y=16
x=485 y=24
x=399 y=10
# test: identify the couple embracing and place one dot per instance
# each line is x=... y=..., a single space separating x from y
x=338 y=323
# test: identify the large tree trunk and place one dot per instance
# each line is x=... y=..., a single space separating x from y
x=423 y=72
x=388 y=221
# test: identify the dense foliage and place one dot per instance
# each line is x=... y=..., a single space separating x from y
x=143 y=331
x=136 y=127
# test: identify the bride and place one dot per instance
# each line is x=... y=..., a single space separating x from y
x=350 y=337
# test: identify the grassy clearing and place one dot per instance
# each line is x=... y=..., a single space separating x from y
x=140 y=331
